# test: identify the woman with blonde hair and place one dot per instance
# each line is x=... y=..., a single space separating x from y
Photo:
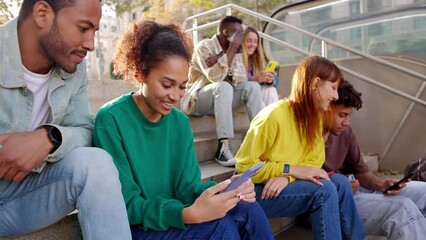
x=255 y=65
x=287 y=137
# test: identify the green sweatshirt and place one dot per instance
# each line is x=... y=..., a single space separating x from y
x=158 y=169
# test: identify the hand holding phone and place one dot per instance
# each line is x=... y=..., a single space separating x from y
x=245 y=176
x=272 y=66
x=396 y=185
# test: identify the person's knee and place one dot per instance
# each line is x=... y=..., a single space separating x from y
x=223 y=88
x=328 y=190
x=253 y=87
x=341 y=182
x=407 y=204
x=225 y=226
x=249 y=211
x=93 y=162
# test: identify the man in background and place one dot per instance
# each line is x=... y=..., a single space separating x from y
x=218 y=84
x=397 y=214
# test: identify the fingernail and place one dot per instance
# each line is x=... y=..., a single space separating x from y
x=241 y=197
x=227 y=181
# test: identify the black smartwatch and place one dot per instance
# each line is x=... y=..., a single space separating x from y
x=54 y=136
x=286 y=170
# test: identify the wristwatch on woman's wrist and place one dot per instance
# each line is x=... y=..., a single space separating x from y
x=286 y=170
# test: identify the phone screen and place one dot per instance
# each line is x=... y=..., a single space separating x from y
x=246 y=175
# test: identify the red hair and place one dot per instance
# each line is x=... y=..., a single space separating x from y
x=303 y=102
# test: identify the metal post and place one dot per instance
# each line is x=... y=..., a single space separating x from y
x=195 y=33
x=98 y=43
x=324 y=50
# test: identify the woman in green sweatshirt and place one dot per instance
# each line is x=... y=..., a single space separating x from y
x=151 y=143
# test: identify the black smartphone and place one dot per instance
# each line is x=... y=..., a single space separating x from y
x=404 y=179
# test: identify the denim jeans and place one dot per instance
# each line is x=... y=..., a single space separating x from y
x=396 y=217
x=85 y=179
x=245 y=221
x=222 y=97
x=331 y=207
x=350 y=221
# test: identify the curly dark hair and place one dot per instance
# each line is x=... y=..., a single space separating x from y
x=348 y=96
x=147 y=43
x=228 y=19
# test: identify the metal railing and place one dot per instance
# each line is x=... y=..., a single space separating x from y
x=324 y=48
x=324 y=43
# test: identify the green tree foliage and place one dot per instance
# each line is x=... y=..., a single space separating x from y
x=178 y=10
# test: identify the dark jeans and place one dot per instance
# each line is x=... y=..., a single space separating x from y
x=245 y=221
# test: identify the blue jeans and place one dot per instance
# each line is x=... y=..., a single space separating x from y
x=85 y=179
x=245 y=221
x=331 y=207
x=396 y=217
x=350 y=221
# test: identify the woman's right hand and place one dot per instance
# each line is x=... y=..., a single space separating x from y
x=213 y=203
x=309 y=173
x=274 y=186
x=263 y=76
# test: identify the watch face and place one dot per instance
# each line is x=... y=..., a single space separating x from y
x=54 y=135
x=286 y=168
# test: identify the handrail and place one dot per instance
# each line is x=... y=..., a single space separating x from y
x=312 y=35
x=325 y=41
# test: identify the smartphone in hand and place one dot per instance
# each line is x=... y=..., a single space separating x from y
x=396 y=185
x=245 y=176
x=272 y=66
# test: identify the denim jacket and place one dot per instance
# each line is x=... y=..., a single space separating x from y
x=67 y=97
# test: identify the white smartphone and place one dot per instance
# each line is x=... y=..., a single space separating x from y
x=246 y=175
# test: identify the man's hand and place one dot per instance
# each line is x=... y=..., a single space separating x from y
x=21 y=152
x=212 y=60
x=389 y=182
x=354 y=186
x=236 y=38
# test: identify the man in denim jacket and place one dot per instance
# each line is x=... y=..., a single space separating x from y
x=47 y=169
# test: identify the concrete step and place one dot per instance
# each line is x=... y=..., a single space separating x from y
x=102 y=91
x=207 y=124
x=66 y=229
x=302 y=232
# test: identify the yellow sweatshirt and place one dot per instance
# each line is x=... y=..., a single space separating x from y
x=273 y=138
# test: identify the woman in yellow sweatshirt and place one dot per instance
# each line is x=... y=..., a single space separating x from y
x=287 y=137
